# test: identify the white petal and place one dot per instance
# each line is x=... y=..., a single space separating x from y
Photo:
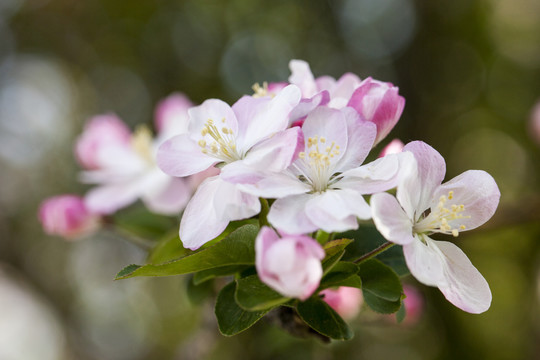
x=171 y=198
x=231 y=203
x=464 y=287
x=289 y=215
x=275 y=186
x=390 y=219
x=302 y=76
x=377 y=176
x=215 y=110
x=200 y=223
x=425 y=261
x=181 y=156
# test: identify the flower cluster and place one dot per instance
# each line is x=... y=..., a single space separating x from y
x=292 y=156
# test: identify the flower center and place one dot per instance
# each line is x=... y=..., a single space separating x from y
x=142 y=143
x=441 y=219
x=221 y=143
x=260 y=91
x=317 y=163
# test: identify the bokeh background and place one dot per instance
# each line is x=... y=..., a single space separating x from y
x=470 y=71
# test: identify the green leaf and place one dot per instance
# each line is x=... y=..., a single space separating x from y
x=206 y=275
x=197 y=293
x=167 y=249
x=401 y=313
x=335 y=246
x=253 y=295
x=380 y=280
x=127 y=270
x=354 y=281
x=323 y=319
x=338 y=274
x=231 y=318
x=381 y=287
x=236 y=249
x=329 y=261
x=381 y=305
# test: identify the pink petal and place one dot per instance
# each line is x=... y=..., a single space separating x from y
x=477 y=191
x=171 y=114
x=231 y=203
x=260 y=118
x=395 y=146
x=361 y=135
x=464 y=286
x=182 y=156
x=307 y=105
x=107 y=199
x=200 y=222
x=215 y=110
x=275 y=186
x=171 y=199
x=289 y=214
x=431 y=169
x=302 y=77
x=377 y=176
x=390 y=219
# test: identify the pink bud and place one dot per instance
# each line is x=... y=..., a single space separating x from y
x=378 y=102
x=395 y=146
x=414 y=304
x=67 y=216
x=172 y=114
x=100 y=132
x=291 y=265
x=346 y=301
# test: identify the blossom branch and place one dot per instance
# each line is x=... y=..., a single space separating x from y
x=387 y=245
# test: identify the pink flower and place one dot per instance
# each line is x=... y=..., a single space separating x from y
x=380 y=103
x=346 y=301
x=394 y=147
x=414 y=304
x=424 y=207
x=291 y=265
x=534 y=124
x=67 y=216
x=124 y=168
x=248 y=141
x=324 y=187
x=171 y=115
x=101 y=132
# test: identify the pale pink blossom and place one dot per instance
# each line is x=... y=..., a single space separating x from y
x=126 y=170
x=247 y=141
x=394 y=147
x=380 y=103
x=67 y=216
x=414 y=304
x=323 y=187
x=346 y=301
x=423 y=207
x=102 y=131
x=291 y=265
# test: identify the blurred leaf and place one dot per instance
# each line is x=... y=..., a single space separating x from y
x=381 y=305
x=197 y=293
x=231 y=318
x=354 y=281
x=401 y=313
x=253 y=295
x=140 y=222
x=235 y=249
x=334 y=251
x=323 y=319
x=338 y=274
x=205 y=275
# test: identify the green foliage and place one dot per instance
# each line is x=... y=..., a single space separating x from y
x=253 y=295
x=167 y=249
x=140 y=222
x=209 y=274
x=197 y=293
x=341 y=273
x=231 y=318
x=236 y=249
x=334 y=252
x=323 y=319
x=381 y=286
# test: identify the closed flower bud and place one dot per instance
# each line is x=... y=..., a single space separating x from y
x=67 y=216
x=291 y=265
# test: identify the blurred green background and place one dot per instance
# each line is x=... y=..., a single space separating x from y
x=469 y=70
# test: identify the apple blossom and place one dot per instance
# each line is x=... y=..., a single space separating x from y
x=346 y=301
x=124 y=165
x=323 y=187
x=67 y=216
x=291 y=265
x=247 y=140
x=395 y=146
x=424 y=207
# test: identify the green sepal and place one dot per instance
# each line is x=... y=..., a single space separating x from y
x=231 y=318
